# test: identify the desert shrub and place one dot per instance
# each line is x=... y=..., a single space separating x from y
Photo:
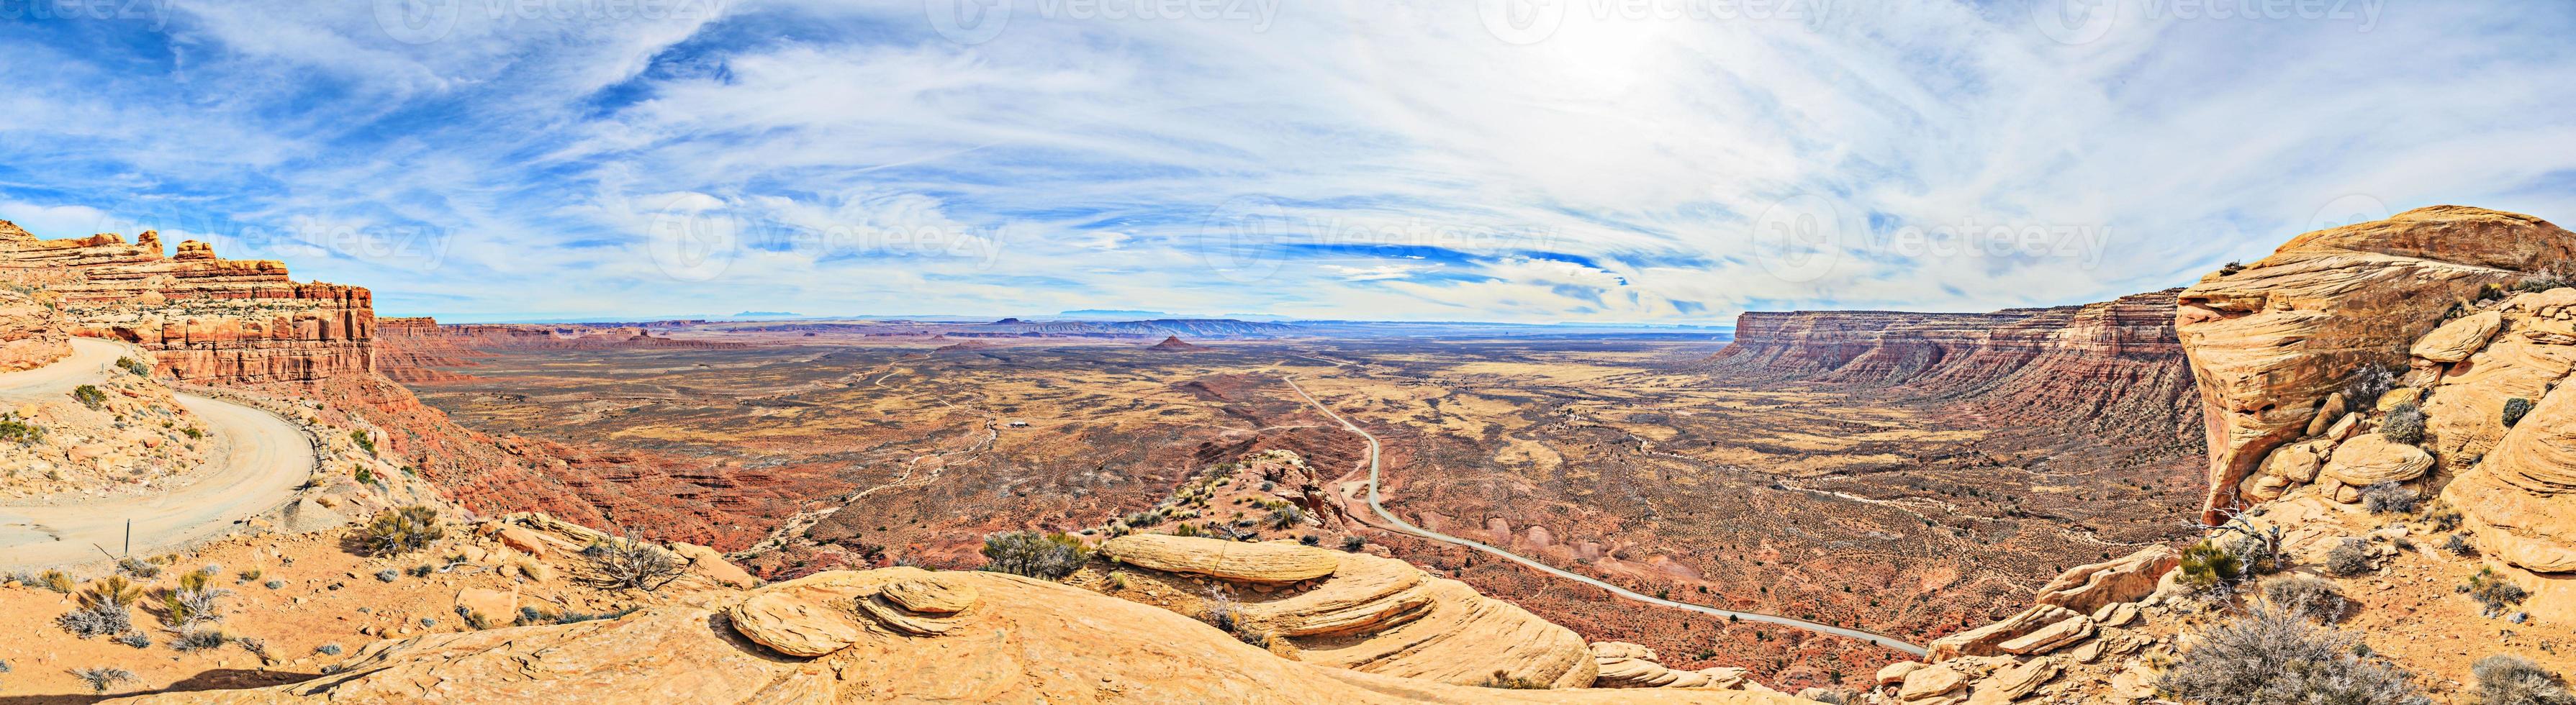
x=1310 y=540
x=1029 y=553
x=2543 y=280
x=1353 y=543
x=56 y=581
x=419 y=571
x=1285 y=517
x=135 y=639
x=2505 y=679
x=400 y=530
x=365 y=442
x=327 y=649
x=2313 y=598
x=2494 y=593
x=138 y=567
x=2390 y=498
x=190 y=605
x=89 y=396
x=2405 y=424
x=1505 y=680
x=628 y=564
x=1226 y=615
x=2273 y=656
x=2231 y=267
x=200 y=639
x=102 y=678
x=2514 y=409
x=135 y=366
x=1186 y=530
x=13 y=430
x=2257 y=552
x=2349 y=558
x=2205 y=565
x=2459 y=545
x=99 y=619
x=2442 y=516
x=2366 y=385
x=273 y=584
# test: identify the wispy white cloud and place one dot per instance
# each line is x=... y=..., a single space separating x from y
x=1341 y=159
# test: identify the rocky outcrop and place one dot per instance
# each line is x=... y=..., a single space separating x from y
x=2129 y=578
x=206 y=319
x=418 y=350
x=1268 y=562
x=32 y=334
x=1373 y=614
x=2113 y=367
x=1625 y=665
x=896 y=635
x=2269 y=341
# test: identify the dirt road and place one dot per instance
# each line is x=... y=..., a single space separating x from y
x=258 y=462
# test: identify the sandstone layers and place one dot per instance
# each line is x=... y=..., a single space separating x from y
x=206 y=319
x=2113 y=367
x=2271 y=340
x=1359 y=611
x=887 y=635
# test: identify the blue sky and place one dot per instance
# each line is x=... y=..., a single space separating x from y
x=1667 y=161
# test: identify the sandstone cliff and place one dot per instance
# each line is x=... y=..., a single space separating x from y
x=2113 y=367
x=206 y=319
x=2270 y=341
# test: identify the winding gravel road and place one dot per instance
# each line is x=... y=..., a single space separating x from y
x=258 y=462
x=1406 y=527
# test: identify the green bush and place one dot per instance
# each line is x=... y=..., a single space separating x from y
x=2405 y=424
x=400 y=530
x=2390 y=498
x=89 y=396
x=2514 y=409
x=2494 y=593
x=138 y=367
x=1028 y=553
x=365 y=442
x=13 y=430
x=2205 y=565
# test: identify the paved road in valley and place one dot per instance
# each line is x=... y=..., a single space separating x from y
x=1406 y=527
x=259 y=460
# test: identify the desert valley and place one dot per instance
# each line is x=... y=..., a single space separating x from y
x=1177 y=352
x=1817 y=507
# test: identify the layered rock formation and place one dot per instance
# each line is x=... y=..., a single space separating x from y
x=888 y=635
x=2271 y=340
x=32 y=334
x=1349 y=610
x=206 y=319
x=2114 y=367
x=412 y=350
